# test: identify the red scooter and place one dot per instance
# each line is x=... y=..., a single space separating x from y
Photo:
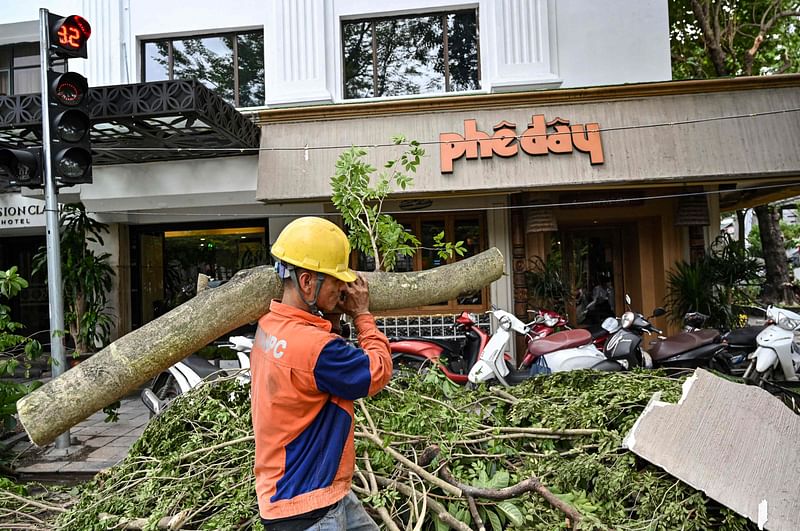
x=454 y=356
x=457 y=356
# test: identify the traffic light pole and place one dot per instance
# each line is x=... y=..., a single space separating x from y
x=58 y=357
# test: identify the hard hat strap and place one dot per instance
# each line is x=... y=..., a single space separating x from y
x=312 y=305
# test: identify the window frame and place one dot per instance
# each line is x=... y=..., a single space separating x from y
x=234 y=35
x=59 y=65
x=373 y=19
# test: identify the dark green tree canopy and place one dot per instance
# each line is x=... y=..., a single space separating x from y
x=713 y=38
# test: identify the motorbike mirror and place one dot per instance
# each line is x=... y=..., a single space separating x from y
x=658 y=312
x=628 y=299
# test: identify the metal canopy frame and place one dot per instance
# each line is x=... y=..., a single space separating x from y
x=175 y=115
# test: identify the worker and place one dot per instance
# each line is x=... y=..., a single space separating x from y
x=305 y=379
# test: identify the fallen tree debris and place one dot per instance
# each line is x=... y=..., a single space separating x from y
x=430 y=457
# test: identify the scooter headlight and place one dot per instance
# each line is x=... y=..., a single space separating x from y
x=627 y=319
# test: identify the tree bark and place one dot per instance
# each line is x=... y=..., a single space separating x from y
x=777 y=286
x=135 y=358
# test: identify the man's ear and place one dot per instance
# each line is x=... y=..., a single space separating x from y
x=304 y=278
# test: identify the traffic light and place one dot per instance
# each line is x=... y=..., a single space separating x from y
x=68 y=35
x=23 y=167
x=67 y=99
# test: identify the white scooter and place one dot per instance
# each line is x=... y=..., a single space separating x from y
x=567 y=353
x=777 y=357
x=189 y=372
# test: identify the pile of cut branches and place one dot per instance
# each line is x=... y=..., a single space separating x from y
x=430 y=455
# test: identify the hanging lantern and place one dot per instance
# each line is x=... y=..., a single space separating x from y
x=692 y=211
x=540 y=220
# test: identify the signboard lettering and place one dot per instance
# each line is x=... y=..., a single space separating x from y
x=19 y=215
x=540 y=138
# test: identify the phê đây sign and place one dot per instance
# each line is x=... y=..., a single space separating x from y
x=540 y=138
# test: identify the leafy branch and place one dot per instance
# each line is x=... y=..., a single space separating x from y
x=360 y=202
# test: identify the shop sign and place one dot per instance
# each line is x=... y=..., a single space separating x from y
x=540 y=138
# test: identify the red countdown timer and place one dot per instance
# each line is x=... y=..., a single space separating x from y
x=69 y=35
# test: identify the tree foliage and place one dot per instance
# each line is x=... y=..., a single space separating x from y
x=360 y=202
x=17 y=351
x=196 y=459
x=715 y=38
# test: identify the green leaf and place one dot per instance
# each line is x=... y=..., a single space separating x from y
x=499 y=480
x=494 y=520
x=512 y=512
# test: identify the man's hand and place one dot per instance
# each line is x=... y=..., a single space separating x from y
x=356 y=299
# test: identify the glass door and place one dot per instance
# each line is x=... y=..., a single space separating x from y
x=593 y=264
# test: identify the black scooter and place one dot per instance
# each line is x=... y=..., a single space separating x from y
x=705 y=347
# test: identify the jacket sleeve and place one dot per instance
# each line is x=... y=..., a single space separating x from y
x=350 y=372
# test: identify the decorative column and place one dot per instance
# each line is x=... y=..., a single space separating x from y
x=519 y=260
x=109 y=47
x=519 y=45
x=296 y=62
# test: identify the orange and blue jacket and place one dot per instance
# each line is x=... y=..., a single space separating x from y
x=304 y=382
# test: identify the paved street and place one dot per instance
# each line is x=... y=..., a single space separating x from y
x=97 y=445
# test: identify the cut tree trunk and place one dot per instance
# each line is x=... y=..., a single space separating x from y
x=135 y=358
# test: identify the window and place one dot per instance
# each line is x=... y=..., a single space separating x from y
x=411 y=55
x=19 y=69
x=230 y=64
x=466 y=227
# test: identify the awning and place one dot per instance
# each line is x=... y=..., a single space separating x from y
x=144 y=122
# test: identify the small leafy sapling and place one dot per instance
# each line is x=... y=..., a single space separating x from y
x=371 y=231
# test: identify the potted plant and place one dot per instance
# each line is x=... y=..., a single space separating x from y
x=86 y=277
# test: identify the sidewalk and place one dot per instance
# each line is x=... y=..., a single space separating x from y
x=95 y=445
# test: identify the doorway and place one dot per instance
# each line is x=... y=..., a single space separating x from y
x=593 y=265
x=166 y=261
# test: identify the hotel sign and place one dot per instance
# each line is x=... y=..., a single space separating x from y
x=17 y=211
x=540 y=138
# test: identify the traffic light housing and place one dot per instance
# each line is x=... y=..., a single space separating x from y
x=68 y=35
x=67 y=100
x=23 y=167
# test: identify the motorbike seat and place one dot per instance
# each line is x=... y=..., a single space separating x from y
x=745 y=337
x=559 y=341
x=201 y=366
x=683 y=342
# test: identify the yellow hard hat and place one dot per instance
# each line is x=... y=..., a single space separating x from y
x=315 y=244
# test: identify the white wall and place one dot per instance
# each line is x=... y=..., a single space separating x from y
x=179 y=184
x=612 y=42
x=524 y=44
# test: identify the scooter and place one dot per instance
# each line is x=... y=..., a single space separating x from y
x=694 y=347
x=739 y=344
x=569 y=338
x=189 y=372
x=776 y=358
x=456 y=357
x=562 y=351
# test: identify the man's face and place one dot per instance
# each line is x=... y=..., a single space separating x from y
x=330 y=294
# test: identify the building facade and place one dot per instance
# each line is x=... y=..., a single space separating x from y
x=550 y=127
